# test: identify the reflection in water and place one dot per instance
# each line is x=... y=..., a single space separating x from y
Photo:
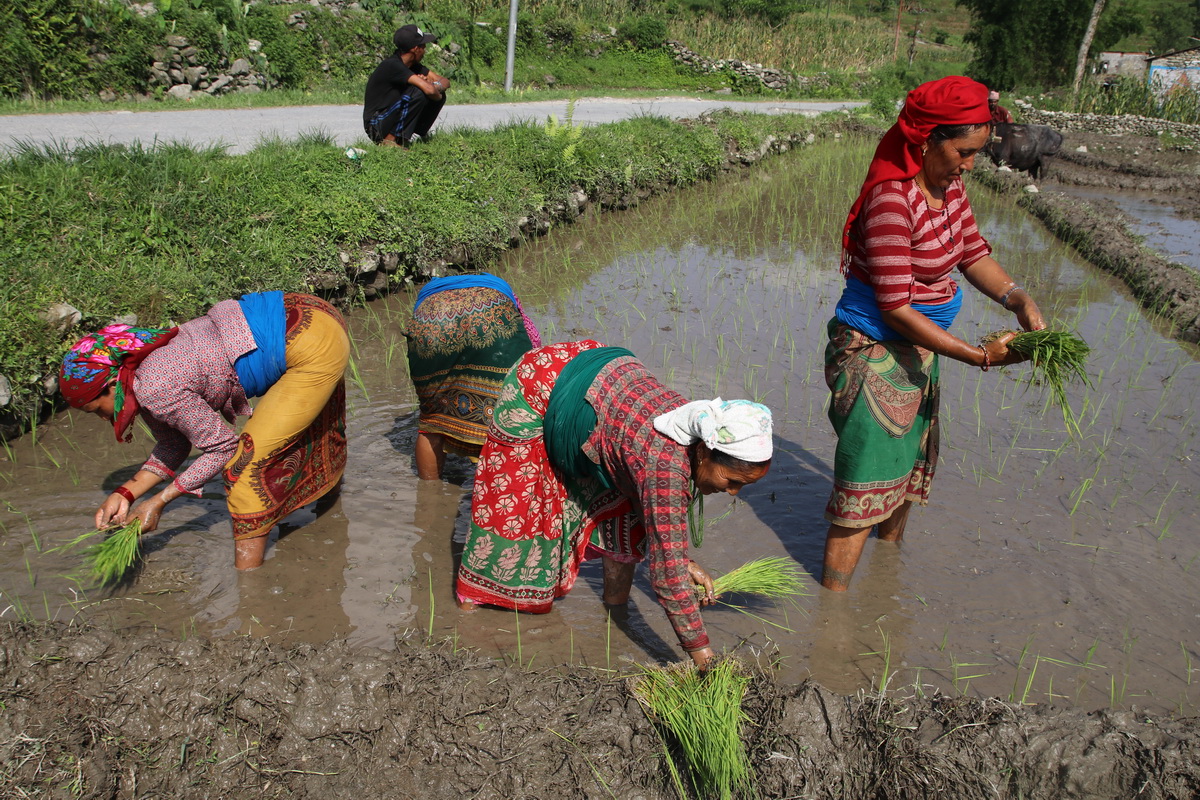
x=859 y=631
x=300 y=602
x=1067 y=563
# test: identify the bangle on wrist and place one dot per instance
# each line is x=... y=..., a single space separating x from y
x=1004 y=297
x=987 y=359
x=128 y=495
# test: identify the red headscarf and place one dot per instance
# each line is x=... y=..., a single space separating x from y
x=953 y=100
x=111 y=353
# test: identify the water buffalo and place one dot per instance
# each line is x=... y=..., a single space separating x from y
x=1024 y=147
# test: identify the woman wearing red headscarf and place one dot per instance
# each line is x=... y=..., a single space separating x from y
x=907 y=232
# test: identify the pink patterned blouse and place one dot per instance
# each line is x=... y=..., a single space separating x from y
x=190 y=395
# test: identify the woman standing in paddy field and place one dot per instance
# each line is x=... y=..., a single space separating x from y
x=588 y=455
x=910 y=227
x=189 y=383
x=466 y=333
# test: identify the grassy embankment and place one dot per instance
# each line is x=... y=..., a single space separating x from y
x=164 y=232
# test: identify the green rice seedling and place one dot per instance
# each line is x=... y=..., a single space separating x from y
x=17 y=606
x=28 y=524
x=701 y=710
x=696 y=522
x=109 y=560
x=429 y=633
x=779 y=578
x=770 y=578
x=1056 y=357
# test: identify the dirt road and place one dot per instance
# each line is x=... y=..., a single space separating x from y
x=241 y=129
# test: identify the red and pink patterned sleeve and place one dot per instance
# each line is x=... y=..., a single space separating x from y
x=886 y=225
x=192 y=421
x=665 y=490
x=170 y=449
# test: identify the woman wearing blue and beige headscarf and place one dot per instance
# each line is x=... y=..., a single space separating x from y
x=466 y=332
x=588 y=454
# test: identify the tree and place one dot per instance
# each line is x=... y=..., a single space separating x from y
x=1174 y=22
x=1025 y=41
x=1088 y=35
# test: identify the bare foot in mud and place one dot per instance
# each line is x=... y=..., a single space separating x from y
x=467 y=606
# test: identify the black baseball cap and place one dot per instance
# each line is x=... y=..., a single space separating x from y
x=410 y=36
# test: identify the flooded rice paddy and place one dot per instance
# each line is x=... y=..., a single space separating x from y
x=1045 y=569
x=1151 y=216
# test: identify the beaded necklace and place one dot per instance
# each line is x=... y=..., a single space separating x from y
x=944 y=213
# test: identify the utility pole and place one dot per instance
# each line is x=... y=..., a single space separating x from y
x=512 y=45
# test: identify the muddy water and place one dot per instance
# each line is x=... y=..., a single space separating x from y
x=1163 y=228
x=1044 y=569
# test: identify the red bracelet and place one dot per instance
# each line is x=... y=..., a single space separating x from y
x=128 y=495
x=987 y=359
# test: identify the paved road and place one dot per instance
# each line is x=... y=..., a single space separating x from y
x=241 y=129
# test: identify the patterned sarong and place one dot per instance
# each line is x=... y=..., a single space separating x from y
x=884 y=411
x=461 y=345
x=531 y=527
x=293 y=449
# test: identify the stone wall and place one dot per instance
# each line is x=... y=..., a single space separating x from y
x=1112 y=124
x=177 y=68
x=769 y=77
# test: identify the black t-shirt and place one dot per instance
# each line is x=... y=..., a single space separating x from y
x=387 y=83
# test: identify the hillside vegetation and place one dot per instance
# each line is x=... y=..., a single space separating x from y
x=56 y=50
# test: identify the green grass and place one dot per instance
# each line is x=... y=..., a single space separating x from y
x=700 y=711
x=164 y=232
x=1056 y=358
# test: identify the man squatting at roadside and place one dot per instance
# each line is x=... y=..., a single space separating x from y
x=403 y=96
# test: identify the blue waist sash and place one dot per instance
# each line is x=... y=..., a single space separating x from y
x=259 y=369
x=483 y=279
x=858 y=309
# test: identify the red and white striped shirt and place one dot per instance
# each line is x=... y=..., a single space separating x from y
x=905 y=250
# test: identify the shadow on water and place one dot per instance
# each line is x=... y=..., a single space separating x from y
x=790 y=502
x=1044 y=568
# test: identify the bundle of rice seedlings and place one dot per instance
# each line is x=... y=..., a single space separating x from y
x=778 y=578
x=1056 y=358
x=108 y=560
x=701 y=711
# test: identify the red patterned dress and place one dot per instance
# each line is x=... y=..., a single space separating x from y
x=531 y=527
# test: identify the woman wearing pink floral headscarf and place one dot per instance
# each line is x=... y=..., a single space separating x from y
x=189 y=384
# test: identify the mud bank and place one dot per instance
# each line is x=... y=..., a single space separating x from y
x=90 y=713
x=1166 y=288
